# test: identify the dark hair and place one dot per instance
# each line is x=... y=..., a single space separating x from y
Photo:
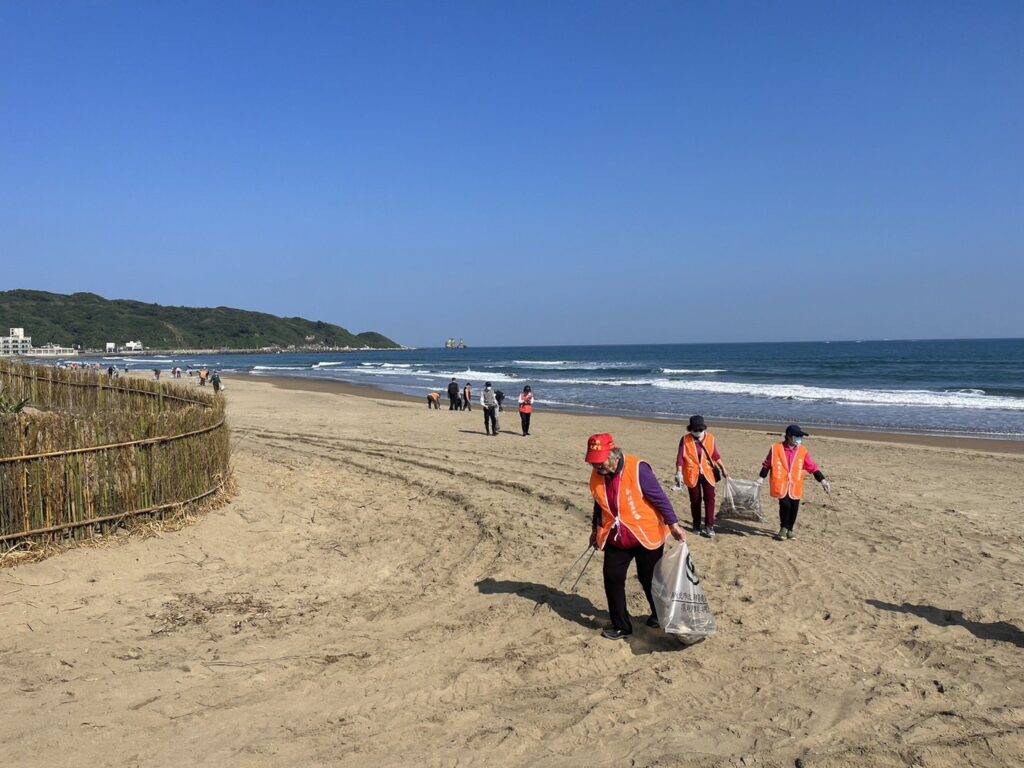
x=527 y=388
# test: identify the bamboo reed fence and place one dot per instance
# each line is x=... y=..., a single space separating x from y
x=90 y=452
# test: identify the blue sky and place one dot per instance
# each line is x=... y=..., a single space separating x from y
x=523 y=173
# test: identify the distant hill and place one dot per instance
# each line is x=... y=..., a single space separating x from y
x=92 y=321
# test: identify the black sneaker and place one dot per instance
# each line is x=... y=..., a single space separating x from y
x=653 y=623
x=615 y=634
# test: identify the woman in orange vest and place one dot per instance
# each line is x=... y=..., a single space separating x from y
x=525 y=409
x=789 y=463
x=696 y=461
x=632 y=519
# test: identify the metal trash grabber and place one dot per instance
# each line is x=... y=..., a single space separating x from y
x=575 y=563
x=583 y=569
x=591 y=550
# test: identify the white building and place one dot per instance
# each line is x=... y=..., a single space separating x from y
x=17 y=343
x=54 y=350
x=132 y=346
x=111 y=346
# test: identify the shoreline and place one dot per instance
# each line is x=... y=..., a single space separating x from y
x=958 y=442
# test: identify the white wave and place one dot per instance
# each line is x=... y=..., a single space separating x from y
x=279 y=368
x=691 y=370
x=148 y=360
x=891 y=397
x=580 y=365
x=482 y=376
x=328 y=364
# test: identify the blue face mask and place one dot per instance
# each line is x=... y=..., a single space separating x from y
x=798 y=440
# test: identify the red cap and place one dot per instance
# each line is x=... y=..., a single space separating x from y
x=599 y=447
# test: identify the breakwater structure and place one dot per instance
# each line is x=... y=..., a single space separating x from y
x=88 y=453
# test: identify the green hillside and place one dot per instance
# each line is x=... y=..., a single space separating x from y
x=92 y=321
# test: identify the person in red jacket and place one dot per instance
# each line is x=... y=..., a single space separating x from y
x=789 y=462
x=525 y=409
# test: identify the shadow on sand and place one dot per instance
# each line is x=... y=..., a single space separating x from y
x=579 y=610
x=995 y=630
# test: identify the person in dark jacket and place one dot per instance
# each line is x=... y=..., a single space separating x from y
x=453 y=394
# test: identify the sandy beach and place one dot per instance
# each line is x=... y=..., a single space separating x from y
x=383 y=592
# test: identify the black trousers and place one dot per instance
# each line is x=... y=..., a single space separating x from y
x=452 y=399
x=466 y=404
x=616 y=563
x=525 y=419
x=491 y=419
x=788 y=509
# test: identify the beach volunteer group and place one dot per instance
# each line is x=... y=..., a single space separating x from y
x=633 y=516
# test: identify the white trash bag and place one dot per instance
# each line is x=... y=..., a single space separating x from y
x=740 y=500
x=682 y=607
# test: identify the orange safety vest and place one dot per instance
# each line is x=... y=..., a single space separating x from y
x=635 y=512
x=526 y=403
x=787 y=481
x=692 y=469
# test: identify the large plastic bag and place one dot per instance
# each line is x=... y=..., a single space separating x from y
x=682 y=607
x=740 y=499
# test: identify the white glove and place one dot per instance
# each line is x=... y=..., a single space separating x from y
x=827 y=486
x=679 y=480
x=759 y=481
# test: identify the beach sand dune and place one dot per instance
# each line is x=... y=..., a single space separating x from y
x=384 y=591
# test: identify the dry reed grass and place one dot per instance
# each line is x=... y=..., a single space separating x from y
x=91 y=453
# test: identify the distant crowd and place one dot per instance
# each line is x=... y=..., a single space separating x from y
x=491 y=403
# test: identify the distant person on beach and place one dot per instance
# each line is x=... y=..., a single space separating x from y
x=696 y=461
x=215 y=380
x=467 y=397
x=789 y=462
x=111 y=370
x=620 y=479
x=489 y=402
x=500 y=397
x=203 y=375
x=156 y=374
x=453 y=394
x=526 y=409
x=434 y=401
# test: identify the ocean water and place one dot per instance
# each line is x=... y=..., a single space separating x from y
x=966 y=387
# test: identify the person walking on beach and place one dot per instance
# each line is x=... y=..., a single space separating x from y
x=621 y=483
x=699 y=467
x=526 y=409
x=789 y=462
x=500 y=397
x=434 y=401
x=489 y=402
x=453 y=394
x=467 y=397
x=215 y=380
